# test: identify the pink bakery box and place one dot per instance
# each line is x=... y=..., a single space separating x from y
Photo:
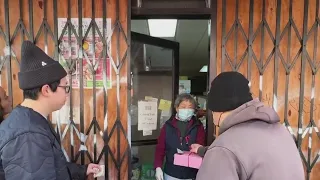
x=187 y=159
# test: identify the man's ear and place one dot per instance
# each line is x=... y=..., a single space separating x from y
x=45 y=90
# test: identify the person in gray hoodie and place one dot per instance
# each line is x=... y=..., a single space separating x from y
x=252 y=143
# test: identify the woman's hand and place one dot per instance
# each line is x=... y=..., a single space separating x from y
x=159 y=173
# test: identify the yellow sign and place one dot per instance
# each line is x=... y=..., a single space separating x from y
x=183 y=77
x=164 y=105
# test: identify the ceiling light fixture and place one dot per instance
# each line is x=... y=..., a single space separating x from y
x=204 y=69
x=162 y=27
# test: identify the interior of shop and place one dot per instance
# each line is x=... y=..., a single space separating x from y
x=168 y=57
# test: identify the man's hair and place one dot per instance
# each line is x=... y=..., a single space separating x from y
x=34 y=93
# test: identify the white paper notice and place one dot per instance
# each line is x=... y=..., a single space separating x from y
x=147 y=133
x=166 y=113
x=184 y=86
x=147 y=115
x=149 y=98
x=134 y=114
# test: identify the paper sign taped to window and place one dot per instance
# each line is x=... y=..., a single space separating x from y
x=147 y=115
x=149 y=98
x=164 y=105
x=166 y=113
x=147 y=133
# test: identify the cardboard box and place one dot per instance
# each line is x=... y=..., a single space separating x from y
x=195 y=161
x=187 y=159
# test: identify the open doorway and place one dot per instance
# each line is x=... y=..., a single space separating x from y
x=166 y=59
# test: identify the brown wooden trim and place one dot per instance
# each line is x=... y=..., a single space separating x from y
x=178 y=13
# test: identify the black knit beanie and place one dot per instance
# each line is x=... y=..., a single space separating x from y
x=228 y=91
x=37 y=68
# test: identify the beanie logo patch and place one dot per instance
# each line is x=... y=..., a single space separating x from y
x=43 y=63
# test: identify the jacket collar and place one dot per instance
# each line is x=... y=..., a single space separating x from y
x=252 y=110
x=45 y=119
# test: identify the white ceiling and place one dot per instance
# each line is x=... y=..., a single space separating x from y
x=193 y=38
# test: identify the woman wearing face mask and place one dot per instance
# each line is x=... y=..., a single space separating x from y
x=179 y=132
x=5 y=109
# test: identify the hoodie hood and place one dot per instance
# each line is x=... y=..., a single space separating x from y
x=252 y=110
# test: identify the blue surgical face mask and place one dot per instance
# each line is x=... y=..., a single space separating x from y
x=185 y=114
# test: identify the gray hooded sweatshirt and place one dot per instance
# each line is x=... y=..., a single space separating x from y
x=252 y=145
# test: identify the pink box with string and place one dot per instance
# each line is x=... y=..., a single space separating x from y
x=187 y=159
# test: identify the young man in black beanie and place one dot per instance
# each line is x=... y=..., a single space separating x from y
x=29 y=146
x=252 y=144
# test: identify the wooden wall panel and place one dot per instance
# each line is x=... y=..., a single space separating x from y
x=275 y=44
x=102 y=112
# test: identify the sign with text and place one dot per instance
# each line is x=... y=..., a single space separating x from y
x=147 y=115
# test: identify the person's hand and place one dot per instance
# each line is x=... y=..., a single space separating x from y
x=93 y=168
x=159 y=173
x=201 y=113
x=195 y=147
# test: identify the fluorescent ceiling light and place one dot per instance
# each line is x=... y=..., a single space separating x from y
x=162 y=27
x=204 y=69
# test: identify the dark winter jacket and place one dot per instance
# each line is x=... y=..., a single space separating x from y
x=170 y=139
x=30 y=149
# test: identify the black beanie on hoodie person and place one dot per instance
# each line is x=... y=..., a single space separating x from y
x=37 y=68
x=228 y=91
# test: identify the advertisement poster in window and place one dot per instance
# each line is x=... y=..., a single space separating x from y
x=92 y=56
x=184 y=86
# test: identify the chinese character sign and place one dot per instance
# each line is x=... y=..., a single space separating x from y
x=147 y=115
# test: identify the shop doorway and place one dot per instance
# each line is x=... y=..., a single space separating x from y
x=162 y=66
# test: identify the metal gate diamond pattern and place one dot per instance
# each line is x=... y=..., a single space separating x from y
x=291 y=39
x=72 y=134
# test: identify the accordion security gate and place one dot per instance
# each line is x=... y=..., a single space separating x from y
x=275 y=43
x=96 y=130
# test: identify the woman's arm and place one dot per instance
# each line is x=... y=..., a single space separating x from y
x=201 y=136
x=160 y=148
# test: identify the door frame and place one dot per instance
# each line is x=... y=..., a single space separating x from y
x=139 y=10
x=175 y=46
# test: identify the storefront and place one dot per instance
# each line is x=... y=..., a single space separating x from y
x=273 y=42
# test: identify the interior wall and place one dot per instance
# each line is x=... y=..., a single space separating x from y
x=144 y=85
x=274 y=43
x=102 y=113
